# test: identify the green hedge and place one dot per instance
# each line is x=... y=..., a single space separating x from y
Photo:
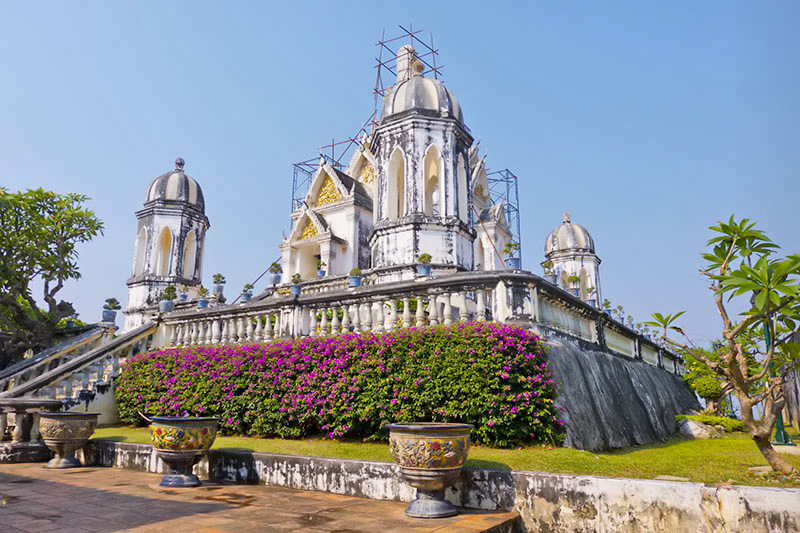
x=730 y=424
x=493 y=376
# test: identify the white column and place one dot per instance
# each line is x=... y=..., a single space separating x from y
x=366 y=325
x=345 y=318
x=312 y=331
x=323 y=325
x=433 y=311
x=258 y=334
x=335 y=320
x=463 y=312
x=268 y=327
x=406 y=312
x=248 y=332
x=378 y=308
x=240 y=329
x=420 y=312
x=391 y=316
x=356 y=318
x=448 y=310
x=173 y=334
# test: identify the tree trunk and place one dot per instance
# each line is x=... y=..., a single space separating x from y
x=715 y=406
x=775 y=460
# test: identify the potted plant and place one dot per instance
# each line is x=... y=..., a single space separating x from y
x=64 y=433
x=181 y=443
x=295 y=288
x=219 y=283
x=607 y=307
x=247 y=292
x=549 y=275
x=355 y=277
x=591 y=297
x=321 y=268
x=511 y=249
x=167 y=296
x=275 y=271
x=430 y=456
x=574 y=282
x=202 y=297
x=183 y=293
x=110 y=309
x=424 y=265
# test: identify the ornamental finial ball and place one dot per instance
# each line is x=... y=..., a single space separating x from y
x=179 y=163
x=566 y=218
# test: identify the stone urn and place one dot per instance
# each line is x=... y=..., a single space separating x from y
x=430 y=456
x=64 y=433
x=181 y=443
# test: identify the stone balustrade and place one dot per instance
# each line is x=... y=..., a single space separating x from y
x=325 y=309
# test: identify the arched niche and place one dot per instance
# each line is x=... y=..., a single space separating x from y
x=433 y=165
x=140 y=253
x=480 y=255
x=163 y=253
x=397 y=185
x=463 y=198
x=190 y=256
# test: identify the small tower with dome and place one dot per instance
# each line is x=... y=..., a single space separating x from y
x=169 y=241
x=569 y=253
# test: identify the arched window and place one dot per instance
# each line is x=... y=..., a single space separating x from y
x=433 y=171
x=463 y=199
x=141 y=252
x=164 y=253
x=189 y=256
x=397 y=185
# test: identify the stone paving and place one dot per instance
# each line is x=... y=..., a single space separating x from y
x=33 y=498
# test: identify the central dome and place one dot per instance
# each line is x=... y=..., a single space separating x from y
x=568 y=238
x=421 y=93
x=175 y=186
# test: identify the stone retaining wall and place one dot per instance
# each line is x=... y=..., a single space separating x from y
x=546 y=502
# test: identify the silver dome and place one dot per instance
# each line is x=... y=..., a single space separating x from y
x=175 y=186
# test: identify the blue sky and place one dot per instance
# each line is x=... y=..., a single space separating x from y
x=647 y=122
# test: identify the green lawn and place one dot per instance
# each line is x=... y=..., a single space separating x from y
x=722 y=460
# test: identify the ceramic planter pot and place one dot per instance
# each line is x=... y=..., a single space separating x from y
x=514 y=263
x=108 y=316
x=295 y=289
x=320 y=273
x=423 y=271
x=274 y=279
x=202 y=303
x=64 y=433
x=430 y=456
x=183 y=296
x=218 y=288
x=181 y=443
x=166 y=306
x=246 y=296
x=355 y=281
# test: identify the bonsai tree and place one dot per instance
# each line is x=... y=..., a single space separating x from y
x=202 y=292
x=511 y=248
x=590 y=291
x=606 y=304
x=275 y=268
x=248 y=288
x=321 y=264
x=111 y=305
x=183 y=289
x=355 y=272
x=219 y=279
x=759 y=347
x=424 y=259
x=547 y=266
x=296 y=279
x=168 y=293
x=573 y=280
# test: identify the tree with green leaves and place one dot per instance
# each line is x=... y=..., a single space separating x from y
x=757 y=350
x=38 y=245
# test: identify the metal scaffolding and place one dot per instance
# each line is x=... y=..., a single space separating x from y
x=503 y=188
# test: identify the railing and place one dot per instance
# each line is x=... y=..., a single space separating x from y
x=51 y=358
x=512 y=297
x=86 y=371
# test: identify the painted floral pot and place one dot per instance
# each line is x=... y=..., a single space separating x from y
x=423 y=271
x=202 y=303
x=64 y=433
x=166 y=306
x=295 y=289
x=355 y=281
x=430 y=456
x=514 y=263
x=181 y=443
x=320 y=273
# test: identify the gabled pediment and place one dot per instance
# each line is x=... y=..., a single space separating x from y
x=480 y=183
x=326 y=187
x=362 y=166
x=308 y=226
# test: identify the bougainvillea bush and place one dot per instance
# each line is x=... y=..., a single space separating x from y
x=491 y=375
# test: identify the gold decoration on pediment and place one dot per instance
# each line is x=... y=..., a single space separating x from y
x=328 y=193
x=367 y=174
x=309 y=231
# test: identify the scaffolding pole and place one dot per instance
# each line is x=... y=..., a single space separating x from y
x=503 y=188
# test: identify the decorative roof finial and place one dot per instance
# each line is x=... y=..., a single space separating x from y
x=566 y=217
x=179 y=164
x=405 y=63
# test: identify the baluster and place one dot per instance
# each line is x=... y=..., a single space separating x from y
x=391 y=317
x=448 y=310
x=181 y=332
x=268 y=327
x=323 y=326
x=346 y=319
x=3 y=424
x=356 y=318
x=240 y=330
x=195 y=333
x=115 y=364
x=85 y=378
x=366 y=324
x=312 y=332
x=463 y=312
x=34 y=438
x=232 y=331
x=433 y=311
x=420 y=312
x=378 y=308
x=406 y=312
x=224 y=336
x=480 y=295
x=215 y=331
x=208 y=326
x=258 y=334
x=248 y=332
x=68 y=387
x=335 y=320
x=173 y=334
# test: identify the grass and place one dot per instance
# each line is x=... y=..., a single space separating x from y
x=716 y=461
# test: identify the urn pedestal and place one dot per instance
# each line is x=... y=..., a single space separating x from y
x=64 y=433
x=430 y=456
x=181 y=443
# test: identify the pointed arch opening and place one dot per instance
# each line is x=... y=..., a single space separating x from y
x=164 y=253
x=480 y=255
x=140 y=253
x=433 y=166
x=397 y=185
x=190 y=256
x=463 y=197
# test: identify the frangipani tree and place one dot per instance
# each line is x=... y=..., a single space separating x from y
x=758 y=347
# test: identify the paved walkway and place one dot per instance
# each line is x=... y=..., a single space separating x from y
x=33 y=498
